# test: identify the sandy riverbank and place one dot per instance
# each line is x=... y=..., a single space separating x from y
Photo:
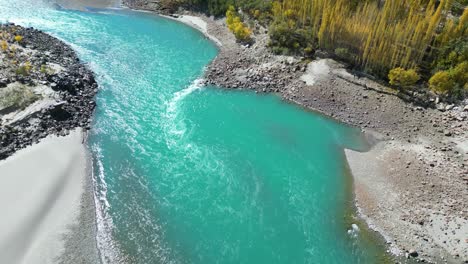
x=47 y=203
x=198 y=23
x=411 y=206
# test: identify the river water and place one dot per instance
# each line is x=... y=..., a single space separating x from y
x=192 y=174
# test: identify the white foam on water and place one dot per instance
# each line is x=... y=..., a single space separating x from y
x=109 y=252
x=174 y=126
x=354 y=231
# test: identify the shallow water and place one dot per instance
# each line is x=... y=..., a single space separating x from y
x=191 y=174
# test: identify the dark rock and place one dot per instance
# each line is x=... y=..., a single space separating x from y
x=3 y=82
x=413 y=253
x=76 y=87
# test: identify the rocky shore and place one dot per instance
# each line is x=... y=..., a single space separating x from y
x=410 y=185
x=44 y=87
x=46 y=106
x=413 y=192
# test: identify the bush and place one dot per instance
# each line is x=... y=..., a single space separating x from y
x=4 y=45
x=459 y=7
x=19 y=96
x=343 y=53
x=286 y=38
x=455 y=52
x=287 y=35
x=18 y=38
x=403 y=78
x=256 y=13
x=169 y=6
x=460 y=74
x=44 y=69
x=24 y=69
x=257 y=8
x=441 y=82
x=452 y=81
x=236 y=26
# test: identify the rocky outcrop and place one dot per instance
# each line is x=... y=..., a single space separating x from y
x=150 y=5
x=64 y=88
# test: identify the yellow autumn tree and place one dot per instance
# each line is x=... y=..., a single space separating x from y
x=236 y=26
x=380 y=37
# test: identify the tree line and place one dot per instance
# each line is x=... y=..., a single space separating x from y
x=405 y=41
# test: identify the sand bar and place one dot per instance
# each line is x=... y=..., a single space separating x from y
x=41 y=198
x=387 y=183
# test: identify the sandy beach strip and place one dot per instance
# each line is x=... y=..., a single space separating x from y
x=200 y=24
x=44 y=194
x=393 y=197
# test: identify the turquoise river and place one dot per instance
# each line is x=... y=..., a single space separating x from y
x=192 y=174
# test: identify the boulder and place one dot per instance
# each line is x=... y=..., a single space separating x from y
x=413 y=253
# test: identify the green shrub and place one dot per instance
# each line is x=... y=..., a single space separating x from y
x=342 y=53
x=403 y=78
x=441 y=82
x=459 y=74
x=287 y=39
x=24 y=69
x=455 y=52
x=44 y=69
x=451 y=81
x=19 y=96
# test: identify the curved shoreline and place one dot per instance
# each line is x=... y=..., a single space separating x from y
x=63 y=86
x=380 y=238
x=49 y=200
x=425 y=145
x=44 y=153
x=395 y=140
x=402 y=129
x=196 y=23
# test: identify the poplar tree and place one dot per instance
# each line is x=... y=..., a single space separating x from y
x=399 y=33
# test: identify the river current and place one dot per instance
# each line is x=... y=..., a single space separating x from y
x=192 y=174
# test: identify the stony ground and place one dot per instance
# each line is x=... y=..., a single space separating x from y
x=45 y=88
